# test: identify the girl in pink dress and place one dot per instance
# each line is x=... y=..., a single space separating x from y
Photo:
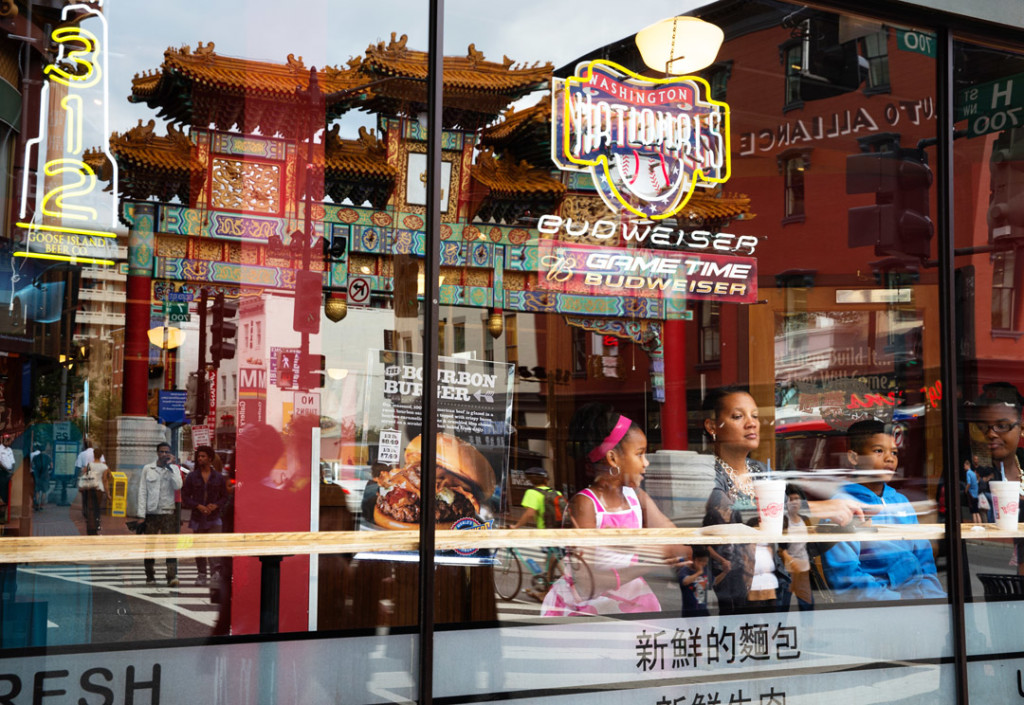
x=615 y=451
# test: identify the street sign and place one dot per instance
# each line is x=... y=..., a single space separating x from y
x=171 y=406
x=202 y=435
x=177 y=312
x=306 y=404
x=993 y=106
x=359 y=290
x=917 y=42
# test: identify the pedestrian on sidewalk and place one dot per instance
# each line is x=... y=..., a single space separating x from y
x=157 y=486
x=205 y=492
x=92 y=485
x=42 y=467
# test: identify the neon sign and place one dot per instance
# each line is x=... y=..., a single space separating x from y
x=932 y=393
x=66 y=225
x=660 y=235
x=651 y=273
x=647 y=143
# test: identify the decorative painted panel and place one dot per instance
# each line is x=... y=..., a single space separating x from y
x=516 y=281
x=359 y=264
x=225 y=273
x=208 y=249
x=141 y=241
x=172 y=246
x=451 y=254
x=245 y=186
x=248 y=146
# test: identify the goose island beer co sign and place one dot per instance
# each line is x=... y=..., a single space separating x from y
x=646 y=143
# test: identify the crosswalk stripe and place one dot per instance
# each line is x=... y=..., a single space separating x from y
x=130 y=579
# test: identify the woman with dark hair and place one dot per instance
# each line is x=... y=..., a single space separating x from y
x=996 y=417
x=614 y=450
x=733 y=424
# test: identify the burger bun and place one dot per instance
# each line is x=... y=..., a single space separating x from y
x=384 y=521
x=460 y=458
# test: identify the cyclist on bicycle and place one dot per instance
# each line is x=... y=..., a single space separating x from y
x=542 y=506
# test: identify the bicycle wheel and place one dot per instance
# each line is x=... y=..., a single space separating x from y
x=582 y=576
x=508 y=574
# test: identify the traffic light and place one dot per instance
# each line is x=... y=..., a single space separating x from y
x=197 y=397
x=311 y=371
x=822 y=64
x=898 y=225
x=334 y=250
x=308 y=298
x=223 y=329
x=1006 y=202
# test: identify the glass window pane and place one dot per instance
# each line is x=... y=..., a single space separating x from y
x=988 y=328
x=211 y=211
x=637 y=299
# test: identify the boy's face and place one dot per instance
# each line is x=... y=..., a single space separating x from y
x=877 y=453
x=700 y=563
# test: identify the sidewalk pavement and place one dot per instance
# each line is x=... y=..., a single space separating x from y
x=55 y=520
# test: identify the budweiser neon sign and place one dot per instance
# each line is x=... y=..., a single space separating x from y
x=601 y=271
x=647 y=143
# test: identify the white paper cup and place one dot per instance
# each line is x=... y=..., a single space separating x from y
x=1006 y=499
x=771 y=504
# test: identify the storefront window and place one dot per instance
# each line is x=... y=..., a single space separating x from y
x=588 y=357
x=816 y=312
x=988 y=369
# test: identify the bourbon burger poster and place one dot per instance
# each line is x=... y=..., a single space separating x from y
x=474 y=414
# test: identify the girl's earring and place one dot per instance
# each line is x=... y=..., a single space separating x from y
x=714 y=436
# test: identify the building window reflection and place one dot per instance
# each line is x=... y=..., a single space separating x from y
x=1004 y=275
x=709 y=333
x=875 y=51
x=793 y=57
x=792 y=165
x=718 y=79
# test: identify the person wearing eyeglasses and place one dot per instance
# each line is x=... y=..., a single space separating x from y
x=996 y=418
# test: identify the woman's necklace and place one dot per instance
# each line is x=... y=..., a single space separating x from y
x=1020 y=473
x=743 y=485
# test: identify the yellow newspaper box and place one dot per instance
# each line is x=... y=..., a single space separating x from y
x=118 y=494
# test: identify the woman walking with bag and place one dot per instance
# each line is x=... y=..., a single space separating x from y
x=92 y=485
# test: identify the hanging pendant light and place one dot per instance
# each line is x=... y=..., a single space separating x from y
x=679 y=45
x=496 y=323
x=335 y=308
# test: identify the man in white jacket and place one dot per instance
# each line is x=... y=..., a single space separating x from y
x=157 y=487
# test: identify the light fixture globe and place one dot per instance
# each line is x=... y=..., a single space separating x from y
x=166 y=338
x=335 y=308
x=679 y=45
x=496 y=323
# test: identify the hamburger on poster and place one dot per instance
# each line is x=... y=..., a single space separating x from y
x=464 y=479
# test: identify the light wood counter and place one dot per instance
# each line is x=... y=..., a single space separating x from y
x=94 y=549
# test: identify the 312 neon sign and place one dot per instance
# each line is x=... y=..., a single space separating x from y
x=65 y=223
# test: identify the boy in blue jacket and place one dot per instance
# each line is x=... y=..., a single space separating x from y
x=880 y=570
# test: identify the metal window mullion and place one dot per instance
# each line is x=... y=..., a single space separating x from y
x=431 y=294
x=948 y=355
